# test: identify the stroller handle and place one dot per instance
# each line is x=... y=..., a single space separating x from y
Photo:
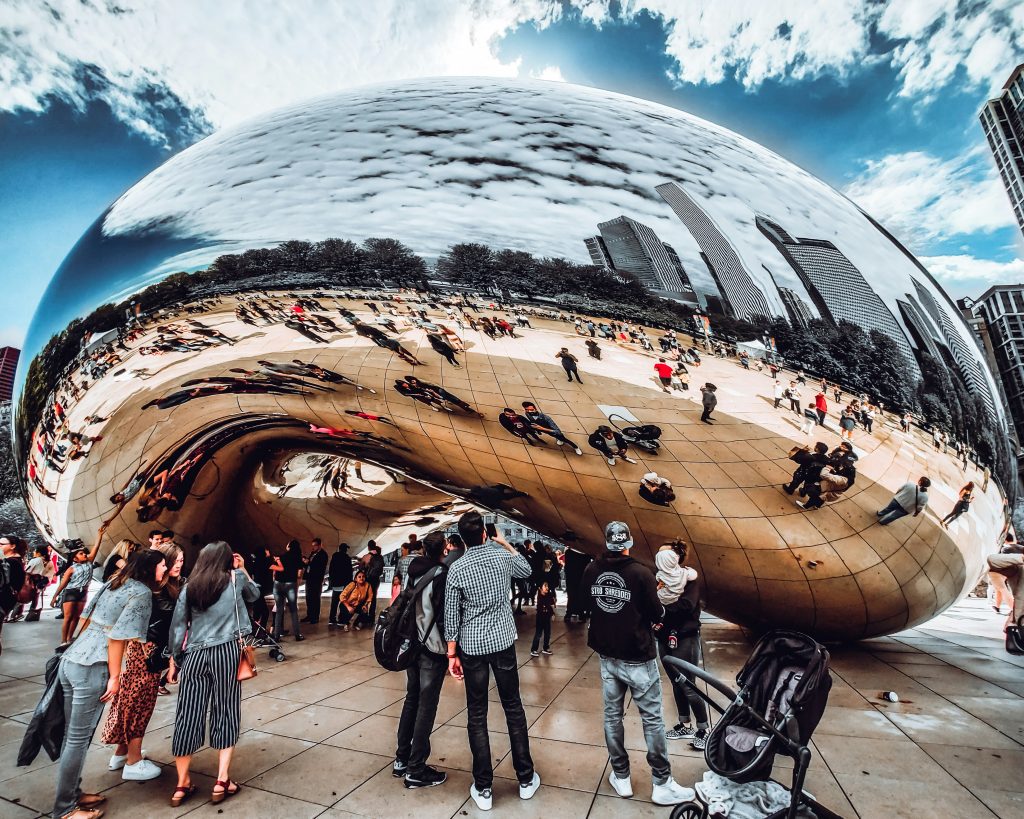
x=689 y=668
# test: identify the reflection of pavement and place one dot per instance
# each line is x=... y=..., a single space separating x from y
x=833 y=570
x=950 y=748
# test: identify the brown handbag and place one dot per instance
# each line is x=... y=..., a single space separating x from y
x=246 y=653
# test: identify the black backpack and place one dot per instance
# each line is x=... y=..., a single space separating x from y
x=396 y=638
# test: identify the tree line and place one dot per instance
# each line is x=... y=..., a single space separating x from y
x=862 y=361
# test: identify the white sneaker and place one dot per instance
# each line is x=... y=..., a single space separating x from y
x=671 y=793
x=528 y=790
x=482 y=798
x=628 y=460
x=623 y=787
x=141 y=771
x=611 y=461
x=579 y=451
x=117 y=762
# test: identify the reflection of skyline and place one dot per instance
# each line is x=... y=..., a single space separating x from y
x=535 y=162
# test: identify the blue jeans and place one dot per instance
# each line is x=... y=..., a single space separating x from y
x=643 y=682
x=285 y=594
x=894 y=511
x=83 y=685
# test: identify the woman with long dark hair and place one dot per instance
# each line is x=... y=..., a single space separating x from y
x=287 y=572
x=963 y=503
x=132 y=707
x=73 y=589
x=90 y=671
x=211 y=613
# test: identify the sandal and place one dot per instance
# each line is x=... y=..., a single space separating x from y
x=89 y=801
x=218 y=797
x=83 y=813
x=186 y=792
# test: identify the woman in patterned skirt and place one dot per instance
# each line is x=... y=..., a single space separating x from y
x=132 y=707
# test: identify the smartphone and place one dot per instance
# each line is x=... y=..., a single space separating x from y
x=492 y=530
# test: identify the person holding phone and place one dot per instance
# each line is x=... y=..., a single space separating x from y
x=481 y=632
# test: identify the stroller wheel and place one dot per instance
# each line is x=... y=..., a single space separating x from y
x=280 y=657
x=688 y=810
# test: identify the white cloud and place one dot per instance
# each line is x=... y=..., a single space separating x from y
x=923 y=199
x=965 y=275
x=551 y=73
x=226 y=62
x=778 y=39
x=229 y=62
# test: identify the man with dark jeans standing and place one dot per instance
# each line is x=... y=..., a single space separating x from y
x=316 y=568
x=569 y=362
x=481 y=633
x=426 y=675
x=625 y=607
x=374 y=565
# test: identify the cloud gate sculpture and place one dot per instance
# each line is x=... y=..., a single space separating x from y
x=312 y=324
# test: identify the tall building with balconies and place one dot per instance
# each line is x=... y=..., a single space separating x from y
x=8 y=364
x=1002 y=120
x=740 y=293
x=836 y=287
x=635 y=248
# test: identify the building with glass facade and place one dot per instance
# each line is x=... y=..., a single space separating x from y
x=838 y=290
x=635 y=248
x=741 y=296
x=1002 y=120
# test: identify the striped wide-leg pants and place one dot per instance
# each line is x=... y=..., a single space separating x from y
x=208 y=683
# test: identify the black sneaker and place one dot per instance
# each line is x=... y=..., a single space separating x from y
x=427 y=778
x=700 y=740
x=399 y=769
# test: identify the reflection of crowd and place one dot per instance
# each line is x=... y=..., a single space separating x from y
x=435 y=397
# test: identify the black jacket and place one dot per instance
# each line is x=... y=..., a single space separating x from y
x=624 y=605
x=339 y=575
x=683 y=616
x=316 y=567
x=599 y=442
x=374 y=569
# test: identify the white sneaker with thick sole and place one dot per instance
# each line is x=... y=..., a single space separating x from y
x=611 y=461
x=117 y=762
x=141 y=771
x=671 y=793
x=482 y=798
x=623 y=787
x=530 y=788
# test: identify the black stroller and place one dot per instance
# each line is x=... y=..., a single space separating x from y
x=644 y=436
x=784 y=688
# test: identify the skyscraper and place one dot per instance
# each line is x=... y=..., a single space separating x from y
x=965 y=356
x=742 y=296
x=799 y=311
x=598 y=252
x=837 y=288
x=635 y=248
x=8 y=364
x=1002 y=120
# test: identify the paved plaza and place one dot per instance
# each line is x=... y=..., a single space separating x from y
x=319 y=732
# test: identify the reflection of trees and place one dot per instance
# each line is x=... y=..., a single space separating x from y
x=860 y=361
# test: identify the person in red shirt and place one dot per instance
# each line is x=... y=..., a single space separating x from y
x=821 y=407
x=664 y=374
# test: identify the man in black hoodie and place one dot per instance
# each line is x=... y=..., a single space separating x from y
x=624 y=607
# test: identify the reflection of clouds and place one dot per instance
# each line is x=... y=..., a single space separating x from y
x=527 y=165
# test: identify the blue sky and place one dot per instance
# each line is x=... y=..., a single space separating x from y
x=878 y=100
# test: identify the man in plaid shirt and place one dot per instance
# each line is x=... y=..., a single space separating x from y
x=481 y=634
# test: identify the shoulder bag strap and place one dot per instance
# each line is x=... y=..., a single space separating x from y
x=234 y=604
